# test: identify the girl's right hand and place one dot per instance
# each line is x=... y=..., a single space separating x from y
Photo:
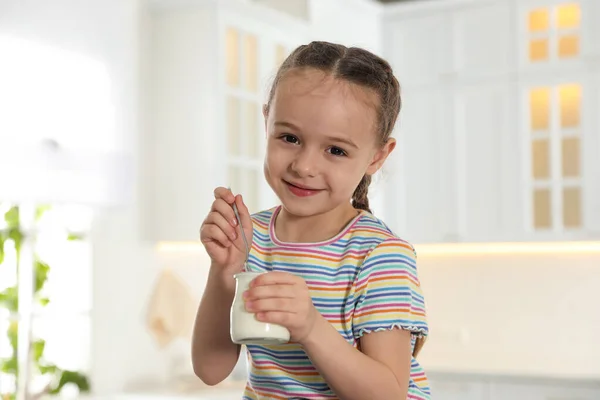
x=220 y=233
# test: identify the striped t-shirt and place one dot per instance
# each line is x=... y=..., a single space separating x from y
x=362 y=280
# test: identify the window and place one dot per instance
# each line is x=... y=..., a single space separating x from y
x=554 y=32
x=45 y=298
x=555 y=128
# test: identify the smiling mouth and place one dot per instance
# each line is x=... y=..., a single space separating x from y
x=301 y=191
x=300 y=186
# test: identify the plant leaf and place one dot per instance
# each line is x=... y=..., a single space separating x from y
x=13 y=335
x=17 y=237
x=12 y=217
x=41 y=270
x=2 y=240
x=43 y=301
x=47 y=368
x=37 y=348
x=80 y=380
x=73 y=236
x=40 y=210
x=9 y=365
x=9 y=298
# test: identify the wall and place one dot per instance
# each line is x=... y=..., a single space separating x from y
x=531 y=314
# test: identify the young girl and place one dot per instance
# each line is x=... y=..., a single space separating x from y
x=343 y=284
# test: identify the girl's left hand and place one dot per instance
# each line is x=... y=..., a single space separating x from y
x=284 y=299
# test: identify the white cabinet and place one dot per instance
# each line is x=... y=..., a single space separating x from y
x=486 y=169
x=418 y=46
x=538 y=391
x=499 y=129
x=455 y=386
x=209 y=65
x=459 y=389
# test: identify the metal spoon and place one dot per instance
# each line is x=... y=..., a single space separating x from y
x=237 y=216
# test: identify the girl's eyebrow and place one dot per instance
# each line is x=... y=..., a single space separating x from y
x=337 y=139
x=286 y=124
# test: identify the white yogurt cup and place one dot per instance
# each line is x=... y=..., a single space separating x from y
x=245 y=328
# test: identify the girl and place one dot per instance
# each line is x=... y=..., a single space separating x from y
x=343 y=284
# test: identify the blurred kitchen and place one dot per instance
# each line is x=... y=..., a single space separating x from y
x=119 y=117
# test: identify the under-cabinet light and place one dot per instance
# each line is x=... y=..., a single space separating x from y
x=452 y=249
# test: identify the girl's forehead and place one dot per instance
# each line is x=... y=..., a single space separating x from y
x=318 y=100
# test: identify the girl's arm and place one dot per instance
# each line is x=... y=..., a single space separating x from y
x=380 y=370
x=214 y=355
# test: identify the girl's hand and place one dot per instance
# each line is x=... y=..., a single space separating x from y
x=221 y=235
x=284 y=299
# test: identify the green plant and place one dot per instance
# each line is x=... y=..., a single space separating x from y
x=9 y=299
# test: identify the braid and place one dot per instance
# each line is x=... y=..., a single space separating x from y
x=360 y=199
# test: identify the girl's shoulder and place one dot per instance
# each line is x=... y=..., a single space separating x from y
x=262 y=218
x=369 y=226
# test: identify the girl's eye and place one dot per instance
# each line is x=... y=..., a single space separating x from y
x=336 y=151
x=290 y=139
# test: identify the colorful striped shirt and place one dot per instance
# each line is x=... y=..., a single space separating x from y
x=362 y=280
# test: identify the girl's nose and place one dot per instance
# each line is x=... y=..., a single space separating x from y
x=305 y=164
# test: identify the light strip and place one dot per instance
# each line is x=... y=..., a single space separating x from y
x=452 y=249
x=168 y=247
x=543 y=248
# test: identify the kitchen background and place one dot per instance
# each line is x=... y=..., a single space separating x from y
x=123 y=115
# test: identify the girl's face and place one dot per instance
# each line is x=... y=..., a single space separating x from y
x=321 y=140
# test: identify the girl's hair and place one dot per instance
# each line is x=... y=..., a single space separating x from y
x=357 y=66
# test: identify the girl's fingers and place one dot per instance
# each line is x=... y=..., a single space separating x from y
x=225 y=194
x=226 y=211
x=212 y=233
x=215 y=218
x=271 y=304
x=270 y=291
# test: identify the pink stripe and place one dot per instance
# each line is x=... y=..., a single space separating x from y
x=300 y=245
x=308 y=253
x=284 y=367
x=395 y=274
x=385 y=306
x=317 y=284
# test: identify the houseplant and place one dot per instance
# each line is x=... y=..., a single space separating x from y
x=56 y=377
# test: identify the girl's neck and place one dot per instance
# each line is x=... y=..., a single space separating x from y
x=313 y=229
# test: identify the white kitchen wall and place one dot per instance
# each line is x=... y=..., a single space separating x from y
x=509 y=314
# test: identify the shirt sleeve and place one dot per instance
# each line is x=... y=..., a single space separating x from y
x=388 y=292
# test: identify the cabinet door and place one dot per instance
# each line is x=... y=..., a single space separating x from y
x=592 y=157
x=483 y=41
x=559 y=133
x=554 y=35
x=533 y=391
x=419 y=47
x=459 y=389
x=420 y=178
x=486 y=154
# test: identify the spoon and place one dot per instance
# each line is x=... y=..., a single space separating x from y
x=239 y=220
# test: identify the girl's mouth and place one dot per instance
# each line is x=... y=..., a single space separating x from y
x=301 y=191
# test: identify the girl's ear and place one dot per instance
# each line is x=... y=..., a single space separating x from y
x=380 y=156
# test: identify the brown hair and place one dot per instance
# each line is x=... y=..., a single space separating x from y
x=358 y=66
